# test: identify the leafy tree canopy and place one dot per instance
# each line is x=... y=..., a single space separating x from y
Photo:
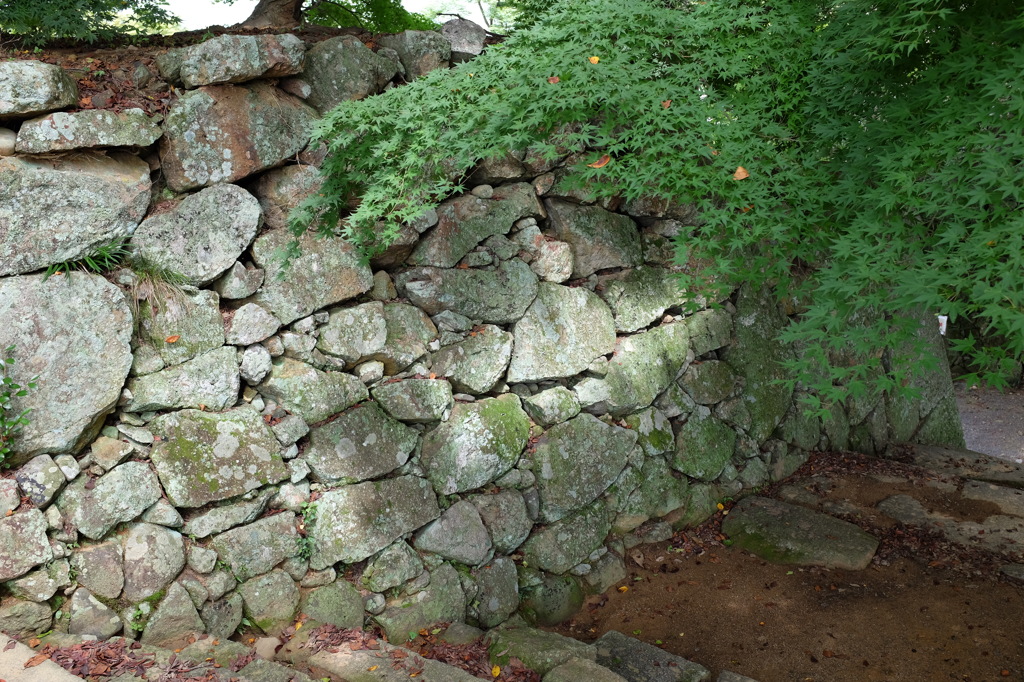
x=38 y=21
x=865 y=157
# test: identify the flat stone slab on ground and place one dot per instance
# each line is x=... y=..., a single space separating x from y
x=639 y=662
x=383 y=666
x=538 y=650
x=12 y=665
x=969 y=464
x=784 y=533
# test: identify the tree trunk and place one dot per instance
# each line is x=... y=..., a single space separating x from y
x=274 y=14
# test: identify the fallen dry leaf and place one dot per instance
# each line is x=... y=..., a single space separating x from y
x=554 y=79
x=173 y=339
x=741 y=173
x=600 y=163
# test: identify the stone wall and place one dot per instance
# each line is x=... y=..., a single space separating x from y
x=480 y=422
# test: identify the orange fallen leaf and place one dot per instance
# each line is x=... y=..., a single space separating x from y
x=623 y=589
x=495 y=671
x=666 y=104
x=36 y=660
x=433 y=376
x=173 y=339
x=746 y=209
x=372 y=668
x=553 y=79
x=600 y=163
x=594 y=60
x=740 y=173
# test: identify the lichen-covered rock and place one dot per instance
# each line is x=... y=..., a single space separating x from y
x=466 y=39
x=477 y=364
x=40 y=479
x=599 y=239
x=393 y=566
x=173 y=621
x=443 y=601
x=270 y=601
x=576 y=461
x=660 y=492
x=709 y=382
x=222 y=133
x=560 y=546
x=326 y=271
x=338 y=604
x=498 y=591
x=23 y=543
x=757 y=355
x=505 y=517
x=280 y=190
x=355 y=521
x=255 y=548
x=560 y=334
x=581 y=669
x=417 y=401
x=250 y=324
x=239 y=282
x=361 y=443
x=633 y=660
x=343 y=68
x=420 y=51
x=464 y=222
x=42 y=583
x=227 y=516
x=310 y=393
x=498 y=296
x=29 y=87
x=240 y=58
x=643 y=366
x=640 y=296
x=203 y=236
x=176 y=326
x=100 y=568
x=709 y=330
x=552 y=406
x=410 y=332
x=210 y=380
x=653 y=430
x=539 y=650
x=203 y=457
x=90 y=616
x=354 y=333
x=153 y=557
x=67 y=206
x=704 y=445
x=94 y=507
x=478 y=443
x=223 y=616
x=86 y=129
x=24 y=619
x=458 y=534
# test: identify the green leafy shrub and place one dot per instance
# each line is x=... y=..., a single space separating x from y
x=864 y=158
x=39 y=21
x=11 y=418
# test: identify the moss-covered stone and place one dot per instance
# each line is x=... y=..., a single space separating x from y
x=576 y=461
x=410 y=332
x=553 y=600
x=552 y=406
x=708 y=382
x=538 y=650
x=653 y=430
x=458 y=534
x=203 y=457
x=354 y=333
x=661 y=492
x=417 y=401
x=310 y=393
x=477 y=364
x=338 y=604
x=704 y=445
x=356 y=521
x=120 y=495
x=478 y=443
x=361 y=443
x=391 y=567
x=505 y=516
x=271 y=601
x=442 y=601
x=497 y=296
x=562 y=545
x=600 y=239
x=257 y=547
x=638 y=297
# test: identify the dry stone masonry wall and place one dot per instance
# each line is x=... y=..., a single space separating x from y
x=478 y=423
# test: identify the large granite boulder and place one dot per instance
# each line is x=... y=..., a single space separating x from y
x=341 y=69
x=576 y=461
x=356 y=521
x=640 y=296
x=153 y=557
x=222 y=133
x=363 y=442
x=310 y=393
x=464 y=222
x=704 y=445
x=240 y=58
x=354 y=333
x=94 y=506
x=63 y=131
x=443 y=601
x=30 y=87
x=466 y=38
x=498 y=296
x=72 y=332
x=255 y=548
x=458 y=534
x=210 y=381
x=202 y=457
x=174 y=620
x=420 y=51
x=326 y=271
x=417 y=401
x=560 y=546
x=23 y=543
x=478 y=443
x=67 y=206
x=600 y=239
x=203 y=236
x=563 y=331
x=477 y=364
x=642 y=367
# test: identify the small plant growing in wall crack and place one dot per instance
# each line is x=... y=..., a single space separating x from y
x=11 y=419
x=305 y=543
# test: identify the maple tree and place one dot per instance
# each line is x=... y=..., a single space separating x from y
x=38 y=21
x=863 y=157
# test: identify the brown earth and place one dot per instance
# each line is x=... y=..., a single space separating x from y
x=926 y=609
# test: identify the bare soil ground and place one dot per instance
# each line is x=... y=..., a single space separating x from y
x=926 y=609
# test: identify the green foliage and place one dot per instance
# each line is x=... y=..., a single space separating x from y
x=883 y=141
x=102 y=259
x=377 y=16
x=306 y=544
x=11 y=418
x=39 y=21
